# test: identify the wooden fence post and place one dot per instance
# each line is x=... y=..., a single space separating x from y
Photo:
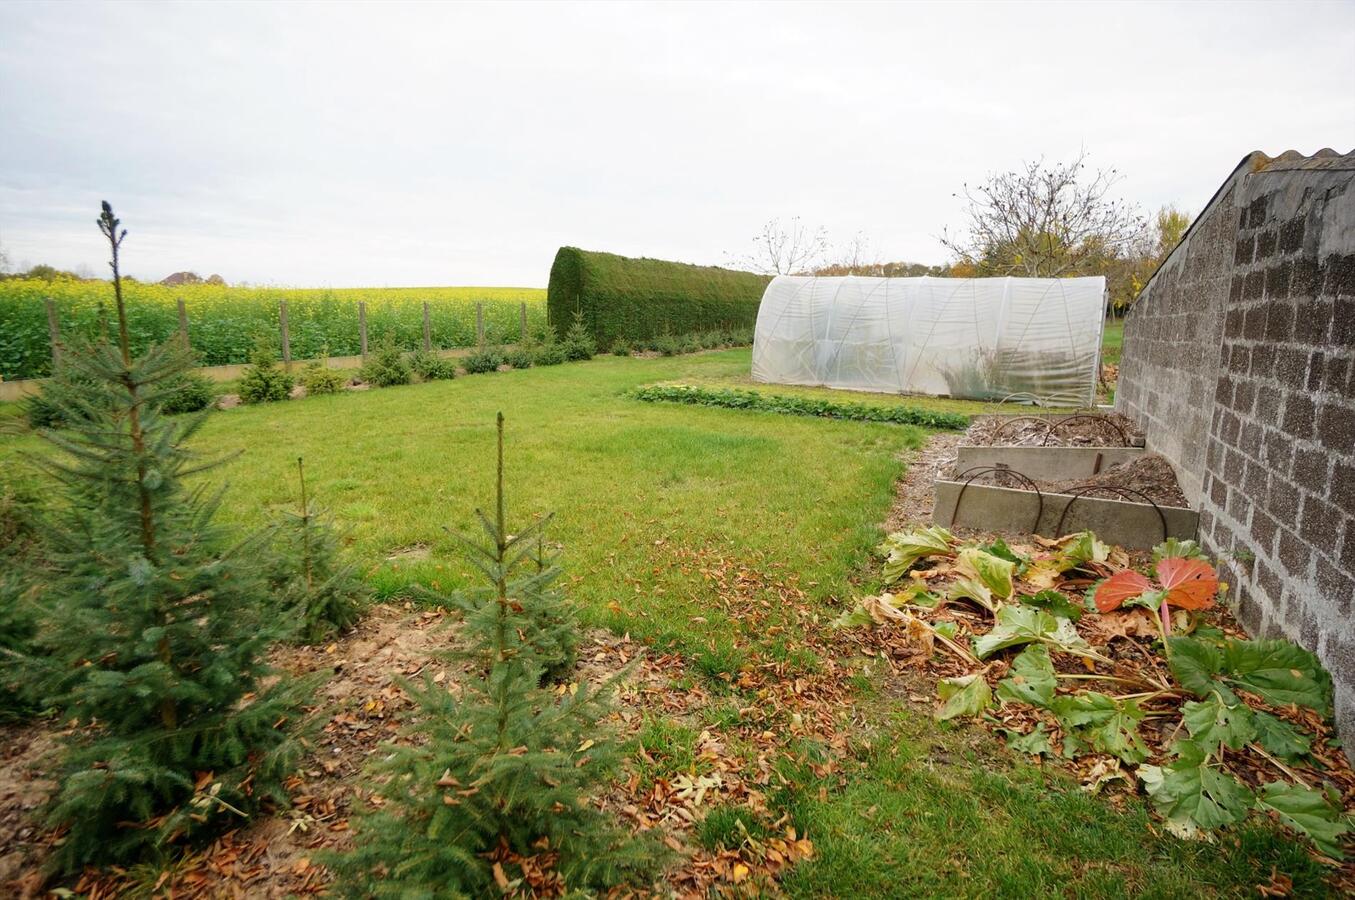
x=479 y=324
x=286 y=335
x=53 y=332
x=427 y=331
x=362 y=327
x=522 y=324
x=183 y=325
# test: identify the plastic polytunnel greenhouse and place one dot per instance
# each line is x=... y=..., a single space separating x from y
x=1033 y=340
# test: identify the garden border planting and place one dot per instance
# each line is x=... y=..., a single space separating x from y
x=729 y=398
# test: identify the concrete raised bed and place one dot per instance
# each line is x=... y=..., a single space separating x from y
x=1047 y=463
x=990 y=508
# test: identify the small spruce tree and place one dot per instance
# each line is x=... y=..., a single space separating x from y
x=499 y=768
x=154 y=632
x=264 y=381
x=579 y=343
x=323 y=594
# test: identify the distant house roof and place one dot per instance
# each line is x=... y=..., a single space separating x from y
x=182 y=278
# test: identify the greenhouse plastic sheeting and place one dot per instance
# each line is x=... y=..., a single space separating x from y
x=1015 y=339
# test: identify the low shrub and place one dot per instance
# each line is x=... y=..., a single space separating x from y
x=431 y=367
x=621 y=348
x=549 y=354
x=690 y=344
x=667 y=345
x=189 y=392
x=264 y=381
x=318 y=378
x=729 y=398
x=519 y=357
x=387 y=366
x=486 y=359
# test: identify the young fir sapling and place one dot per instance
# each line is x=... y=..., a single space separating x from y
x=495 y=779
x=153 y=635
x=323 y=594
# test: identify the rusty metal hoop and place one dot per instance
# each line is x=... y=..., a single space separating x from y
x=1055 y=426
x=977 y=471
x=1124 y=493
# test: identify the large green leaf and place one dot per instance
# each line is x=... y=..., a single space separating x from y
x=967 y=695
x=1279 y=738
x=1192 y=795
x=971 y=588
x=1083 y=547
x=904 y=548
x=1307 y=811
x=1017 y=625
x=1036 y=742
x=1186 y=549
x=1278 y=671
x=1056 y=603
x=1106 y=724
x=1196 y=666
x=993 y=571
x=1212 y=722
x=1032 y=678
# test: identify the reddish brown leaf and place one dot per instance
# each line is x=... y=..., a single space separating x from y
x=1190 y=583
x=1120 y=587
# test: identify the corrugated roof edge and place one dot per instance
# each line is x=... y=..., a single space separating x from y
x=1255 y=163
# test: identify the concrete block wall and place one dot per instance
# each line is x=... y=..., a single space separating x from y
x=1239 y=363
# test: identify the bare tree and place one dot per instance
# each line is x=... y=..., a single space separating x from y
x=1045 y=220
x=792 y=249
x=4 y=259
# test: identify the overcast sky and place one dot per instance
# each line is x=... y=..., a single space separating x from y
x=386 y=144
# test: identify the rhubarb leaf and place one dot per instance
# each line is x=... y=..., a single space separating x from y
x=1306 y=811
x=1213 y=722
x=1056 y=603
x=1279 y=672
x=1106 y=724
x=1192 y=795
x=967 y=695
x=1121 y=587
x=1189 y=583
x=1036 y=742
x=1279 y=738
x=994 y=571
x=904 y=549
x=1032 y=678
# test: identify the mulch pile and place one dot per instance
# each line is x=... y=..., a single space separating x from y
x=1078 y=430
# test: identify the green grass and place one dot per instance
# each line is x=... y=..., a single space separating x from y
x=1112 y=341
x=638 y=488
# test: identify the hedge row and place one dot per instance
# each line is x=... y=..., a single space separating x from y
x=730 y=398
x=639 y=299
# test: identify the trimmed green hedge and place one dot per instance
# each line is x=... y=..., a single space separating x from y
x=730 y=398
x=639 y=299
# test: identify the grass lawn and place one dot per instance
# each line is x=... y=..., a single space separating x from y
x=638 y=489
x=1112 y=341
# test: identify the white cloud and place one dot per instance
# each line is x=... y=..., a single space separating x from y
x=461 y=144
